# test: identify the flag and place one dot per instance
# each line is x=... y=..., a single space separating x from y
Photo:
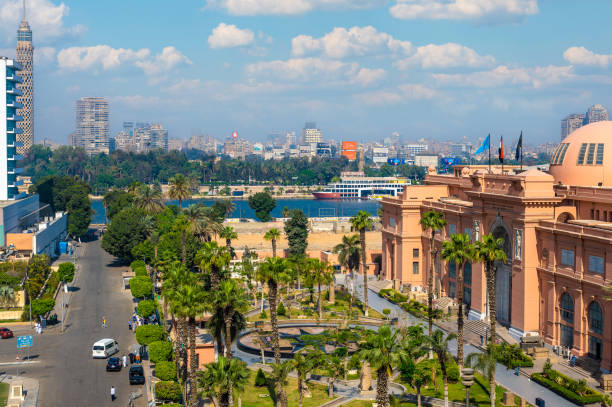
x=501 y=150
x=486 y=144
x=519 y=148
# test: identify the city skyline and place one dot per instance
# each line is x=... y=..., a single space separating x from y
x=361 y=72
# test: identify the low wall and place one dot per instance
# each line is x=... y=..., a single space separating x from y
x=8 y=315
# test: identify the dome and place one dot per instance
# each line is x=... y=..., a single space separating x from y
x=584 y=158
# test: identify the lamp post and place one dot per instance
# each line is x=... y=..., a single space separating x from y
x=467 y=379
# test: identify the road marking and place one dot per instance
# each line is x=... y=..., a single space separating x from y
x=19 y=363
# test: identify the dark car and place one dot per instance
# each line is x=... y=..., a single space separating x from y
x=113 y=365
x=137 y=375
x=6 y=333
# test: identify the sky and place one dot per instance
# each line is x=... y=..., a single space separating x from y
x=361 y=69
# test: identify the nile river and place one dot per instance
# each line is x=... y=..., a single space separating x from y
x=311 y=207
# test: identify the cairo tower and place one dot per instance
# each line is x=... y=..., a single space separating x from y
x=25 y=57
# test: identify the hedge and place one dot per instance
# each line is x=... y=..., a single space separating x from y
x=512 y=356
x=137 y=263
x=393 y=295
x=590 y=398
x=141 y=287
x=141 y=272
x=146 y=308
x=165 y=370
x=145 y=334
x=160 y=351
x=66 y=272
x=168 y=391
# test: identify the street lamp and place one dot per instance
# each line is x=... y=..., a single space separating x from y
x=467 y=379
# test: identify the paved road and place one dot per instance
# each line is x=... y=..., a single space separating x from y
x=68 y=375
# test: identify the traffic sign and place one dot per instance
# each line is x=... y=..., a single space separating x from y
x=24 y=341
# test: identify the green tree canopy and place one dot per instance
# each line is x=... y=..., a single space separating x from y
x=145 y=334
x=165 y=370
x=141 y=286
x=65 y=272
x=296 y=229
x=160 y=351
x=127 y=230
x=41 y=306
x=146 y=308
x=262 y=203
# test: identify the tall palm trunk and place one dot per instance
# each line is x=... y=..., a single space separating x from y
x=193 y=364
x=362 y=236
x=273 y=247
x=228 y=244
x=491 y=274
x=445 y=391
x=460 y=316
x=273 y=288
x=300 y=390
x=418 y=396
x=319 y=299
x=382 y=387
x=184 y=241
x=228 y=333
x=332 y=291
x=330 y=388
x=430 y=288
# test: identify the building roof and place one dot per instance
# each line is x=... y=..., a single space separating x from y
x=584 y=158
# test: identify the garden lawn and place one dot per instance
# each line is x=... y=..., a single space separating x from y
x=250 y=396
x=4 y=391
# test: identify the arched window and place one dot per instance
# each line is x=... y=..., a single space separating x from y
x=595 y=318
x=567 y=308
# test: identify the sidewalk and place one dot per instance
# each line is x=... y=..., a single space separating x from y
x=63 y=299
x=30 y=388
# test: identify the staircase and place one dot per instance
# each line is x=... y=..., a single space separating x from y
x=481 y=328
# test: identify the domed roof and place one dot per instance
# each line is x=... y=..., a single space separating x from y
x=584 y=158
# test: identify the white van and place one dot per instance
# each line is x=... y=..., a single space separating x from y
x=104 y=348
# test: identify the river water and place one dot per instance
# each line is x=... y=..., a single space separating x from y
x=311 y=207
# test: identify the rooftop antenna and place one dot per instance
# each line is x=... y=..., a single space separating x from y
x=24 y=10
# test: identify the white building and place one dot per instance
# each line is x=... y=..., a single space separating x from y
x=9 y=130
x=426 y=160
x=92 y=129
x=414 y=149
x=380 y=155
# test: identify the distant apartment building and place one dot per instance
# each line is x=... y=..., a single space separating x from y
x=310 y=133
x=413 y=150
x=290 y=138
x=596 y=113
x=236 y=148
x=461 y=149
x=426 y=160
x=92 y=128
x=324 y=149
x=141 y=138
x=349 y=150
x=380 y=155
x=9 y=69
x=571 y=123
x=175 y=144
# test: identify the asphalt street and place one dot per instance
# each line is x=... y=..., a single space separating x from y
x=62 y=361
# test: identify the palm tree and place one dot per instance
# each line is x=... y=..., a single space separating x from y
x=223 y=379
x=228 y=233
x=416 y=375
x=7 y=294
x=180 y=188
x=213 y=259
x=303 y=364
x=432 y=221
x=334 y=367
x=362 y=222
x=459 y=250
x=489 y=251
x=321 y=273
x=216 y=326
x=273 y=235
x=230 y=299
x=148 y=200
x=280 y=373
x=438 y=344
x=485 y=362
x=383 y=351
x=348 y=252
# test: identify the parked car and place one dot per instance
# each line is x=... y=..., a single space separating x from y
x=113 y=365
x=104 y=348
x=6 y=333
x=136 y=374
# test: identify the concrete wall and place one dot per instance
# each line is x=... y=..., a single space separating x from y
x=47 y=240
x=11 y=215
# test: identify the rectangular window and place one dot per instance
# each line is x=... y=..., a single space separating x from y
x=567 y=257
x=452 y=229
x=467 y=274
x=415 y=253
x=467 y=296
x=415 y=267
x=452 y=289
x=600 y=153
x=452 y=270
x=590 y=154
x=468 y=231
x=581 y=154
x=596 y=264
x=392 y=221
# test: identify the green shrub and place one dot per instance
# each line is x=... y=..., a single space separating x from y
x=141 y=272
x=168 y=391
x=160 y=351
x=137 y=263
x=386 y=312
x=41 y=306
x=281 y=310
x=452 y=371
x=141 y=287
x=66 y=272
x=145 y=334
x=512 y=356
x=146 y=308
x=563 y=390
x=260 y=378
x=263 y=315
x=165 y=370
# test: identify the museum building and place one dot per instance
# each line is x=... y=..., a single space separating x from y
x=557 y=231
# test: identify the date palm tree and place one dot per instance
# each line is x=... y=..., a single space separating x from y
x=362 y=222
x=321 y=272
x=213 y=260
x=485 y=362
x=148 y=199
x=280 y=373
x=348 y=252
x=383 y=351
x=216 y=327
x=459 y=250
x=180 y=188
x=303 y=363
x=273 y=235
x=223 y=379
x=431 y=221
x=489 y=251
x=438 y=344
x=230 y=299
x=228 y=233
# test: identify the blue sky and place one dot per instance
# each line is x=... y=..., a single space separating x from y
x=362 y=69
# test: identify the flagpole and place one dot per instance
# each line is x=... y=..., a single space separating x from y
x=521 y=151
x=489 y=154
x=501 y=150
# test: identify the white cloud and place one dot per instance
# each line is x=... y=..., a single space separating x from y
x=137 y=100
x=356 y=41
x=289 y=7
x=408 y=91
x=366 y=76
x=46 y=19
x=303 y=69
x=229 y=36
x=106 y=57
x=44 y=54
x=583 y=56
x=536 y=77
x=445 y=56
x=464 y=9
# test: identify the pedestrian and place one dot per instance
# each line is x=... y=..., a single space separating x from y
x=130 y=325
x=138 y=357
x=113 y=394
x=103 y=322
x=124 y=360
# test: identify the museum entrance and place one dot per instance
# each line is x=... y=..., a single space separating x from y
x=503 y=280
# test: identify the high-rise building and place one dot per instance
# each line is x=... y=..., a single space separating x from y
x=92 y=131
x=159 y=137
x=25 y=57
x=596 y=113
x=571 y=123
x=310 y=133
x=9 y=70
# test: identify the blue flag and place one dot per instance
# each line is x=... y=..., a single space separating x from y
x=486 y=144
